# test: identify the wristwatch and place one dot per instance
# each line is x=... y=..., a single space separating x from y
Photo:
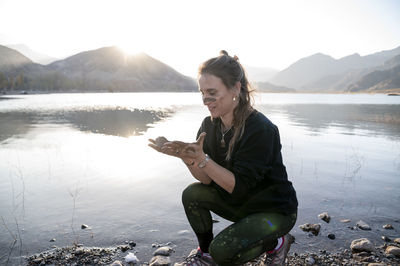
x=203 y=163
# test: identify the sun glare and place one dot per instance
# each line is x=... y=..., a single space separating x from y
x=131 y=49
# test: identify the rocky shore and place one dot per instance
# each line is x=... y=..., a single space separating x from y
x=362 y=251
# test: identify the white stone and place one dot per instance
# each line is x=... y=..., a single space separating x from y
x=363 y=225
x=362 y=244
x=131 y=258
x=160 y=261
x=325 y=217
x=163 y=251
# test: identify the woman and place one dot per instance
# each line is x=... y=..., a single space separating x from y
x=237 y=159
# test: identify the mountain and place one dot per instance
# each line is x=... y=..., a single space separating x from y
x=268 y=87
x=104 y=69
x=33 y=55
x=11 y=60
x=321 y=72
x=384 y=80
x=260 y=74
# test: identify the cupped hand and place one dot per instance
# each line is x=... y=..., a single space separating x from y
x=185 y=151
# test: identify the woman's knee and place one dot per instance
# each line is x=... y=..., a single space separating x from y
x=193 y=192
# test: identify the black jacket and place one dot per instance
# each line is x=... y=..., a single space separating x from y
x=261 y=183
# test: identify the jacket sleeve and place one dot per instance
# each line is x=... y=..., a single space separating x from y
x=255 y=158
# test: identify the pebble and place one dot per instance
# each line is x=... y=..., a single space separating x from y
x=160 y=261
x=310 y=260
x=388 y=226
x=325 y=217
x=360 y=245
x=125 y=248
x=331 y=236
x=345 y=221
x=52 y=240
x=392 y=250
x=116 y=263
x=84 y=226
x=385 y=238
x=163 y=251
x=363 y=225
x=131 y=258
x=397 y=240
x=313 y=228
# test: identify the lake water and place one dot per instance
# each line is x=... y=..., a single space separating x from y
x=73 y=159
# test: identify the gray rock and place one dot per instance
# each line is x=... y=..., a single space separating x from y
x=125 y=248
x=84 y=226
x=116 y=263
x=325 y=217
x=160 y=261
x=79 y=251
x=397 y=240
x=388 y=226
x=310 y=260
x=313 y=228
x=360 y=245
x=392 y=250
x=163 y=251
x=53 y=240
x=363 y=225
x=385 y=238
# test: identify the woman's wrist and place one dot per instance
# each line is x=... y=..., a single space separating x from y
x=200 y=159
x=188 y=163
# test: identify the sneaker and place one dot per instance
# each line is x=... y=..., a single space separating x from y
x=197 y=258
x=278 y=257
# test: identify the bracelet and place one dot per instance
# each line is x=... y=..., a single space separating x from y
x=189 y=164
x=202 y=164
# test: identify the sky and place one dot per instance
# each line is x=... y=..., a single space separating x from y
x=184 y=33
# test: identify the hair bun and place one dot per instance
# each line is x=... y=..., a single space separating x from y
x=223 y=52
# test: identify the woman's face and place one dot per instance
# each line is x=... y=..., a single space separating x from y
x=216 y=96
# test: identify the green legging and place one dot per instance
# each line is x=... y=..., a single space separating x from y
x=247 y=238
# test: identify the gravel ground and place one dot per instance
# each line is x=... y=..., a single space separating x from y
x=76 y=255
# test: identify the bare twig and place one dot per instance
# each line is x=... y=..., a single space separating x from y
x=74 y=196
x=14 y=237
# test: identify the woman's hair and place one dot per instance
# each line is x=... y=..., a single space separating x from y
x=230 y=71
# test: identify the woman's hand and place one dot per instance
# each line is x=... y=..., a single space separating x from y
x=188 y=152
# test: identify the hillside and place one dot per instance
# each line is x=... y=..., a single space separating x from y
x=12 y=60
x=104 y=69
x=380 y=80
x=321 y=72
x=268 y=87
x=31 y=54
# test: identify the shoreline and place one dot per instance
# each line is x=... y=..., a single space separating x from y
x=115 y=255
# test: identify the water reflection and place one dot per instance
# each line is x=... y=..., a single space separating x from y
x=317 y=118
x=14 y=124
x=116 y=122
x=123 y=123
